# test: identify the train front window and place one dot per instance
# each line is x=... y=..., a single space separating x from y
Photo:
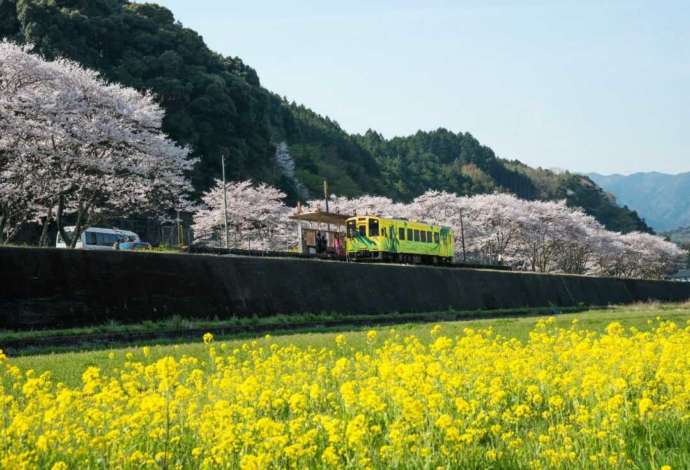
x=373 y=227
x=351 y=228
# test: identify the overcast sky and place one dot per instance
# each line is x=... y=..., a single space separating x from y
x=580 y=85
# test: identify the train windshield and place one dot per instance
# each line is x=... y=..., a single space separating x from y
x=373 y=227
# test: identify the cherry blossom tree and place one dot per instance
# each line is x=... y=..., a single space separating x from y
x=575 y=254
x=363 y=205
x=75 y=144
x=257 y=217
x=449 y=210
x=543 y=233
x=494 y=228
x=641 y=255
x=543 y=236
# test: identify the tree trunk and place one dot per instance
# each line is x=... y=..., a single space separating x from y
x=81 y=212
x=77 y=228
x=43 y=241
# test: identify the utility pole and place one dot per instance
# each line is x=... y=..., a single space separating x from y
x=462 y=234
x=225 y=201
x=325 y=198
x=325 y=193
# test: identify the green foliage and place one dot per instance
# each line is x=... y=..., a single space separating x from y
x=9 y=26
x=445 y=161
x=583 y=192
x=217 y=106
x=321 y=149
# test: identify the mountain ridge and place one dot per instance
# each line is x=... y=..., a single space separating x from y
x=662 y=199
x=217 y=106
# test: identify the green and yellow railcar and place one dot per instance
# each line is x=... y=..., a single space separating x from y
x=398 y=240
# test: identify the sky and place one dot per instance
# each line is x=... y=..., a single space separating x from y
x=588 y=86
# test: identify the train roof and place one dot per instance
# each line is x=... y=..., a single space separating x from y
x=398 y=219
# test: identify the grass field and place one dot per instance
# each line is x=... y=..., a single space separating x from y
x=177 y=329
x=68 y=367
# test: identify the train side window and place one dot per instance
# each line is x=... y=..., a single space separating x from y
x=416 y=235
x=373 y=227
x=410 y=237
x=423 y=234
x=428 y=237
x=436 y=237
x=401 y=233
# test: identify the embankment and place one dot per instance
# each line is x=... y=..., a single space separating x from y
x=41 y=288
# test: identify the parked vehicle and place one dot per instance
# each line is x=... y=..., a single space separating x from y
x=135 y=246
x=98 y=238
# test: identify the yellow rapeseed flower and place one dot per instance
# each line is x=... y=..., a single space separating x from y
x=645 y=405
x=561 y=398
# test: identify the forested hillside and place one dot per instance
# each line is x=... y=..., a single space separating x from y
x=217 y=106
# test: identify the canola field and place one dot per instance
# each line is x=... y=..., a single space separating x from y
x=565 y=396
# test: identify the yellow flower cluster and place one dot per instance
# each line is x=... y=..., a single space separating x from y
x=565 y=398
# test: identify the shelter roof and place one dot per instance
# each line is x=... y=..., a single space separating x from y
x=321 y=217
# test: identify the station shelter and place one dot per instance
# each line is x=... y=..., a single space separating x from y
x=321 y=233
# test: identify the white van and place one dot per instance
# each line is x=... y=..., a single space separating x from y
x=97 y=238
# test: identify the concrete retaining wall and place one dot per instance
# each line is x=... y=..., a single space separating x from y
x=57 y=288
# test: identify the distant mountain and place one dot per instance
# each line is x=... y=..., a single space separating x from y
x=679 y=235
x=218 y=107
x=663 y=200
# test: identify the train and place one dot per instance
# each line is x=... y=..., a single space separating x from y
x=398 y=240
